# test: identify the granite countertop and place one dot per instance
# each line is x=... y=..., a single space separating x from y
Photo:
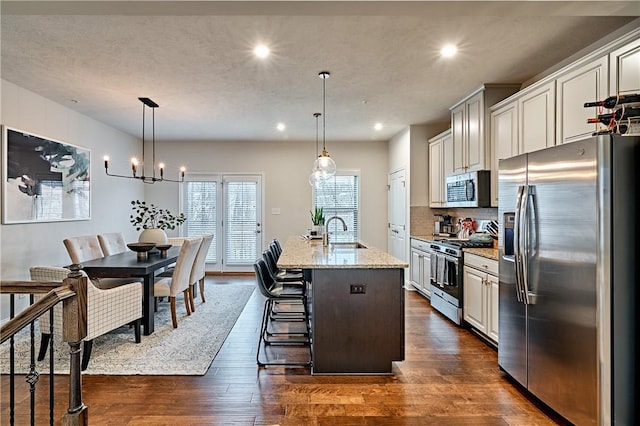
x=490 y=253
x=310 y=254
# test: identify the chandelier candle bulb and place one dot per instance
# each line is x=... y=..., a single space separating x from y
x=134 y=165
x=106 y=161
x=161 y=166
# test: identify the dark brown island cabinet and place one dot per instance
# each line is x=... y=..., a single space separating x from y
x=356 y=305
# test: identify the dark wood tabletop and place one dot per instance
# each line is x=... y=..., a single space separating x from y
x=127 y=263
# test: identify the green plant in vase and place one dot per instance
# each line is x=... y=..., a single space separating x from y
x=153 y=221
x=317 y=218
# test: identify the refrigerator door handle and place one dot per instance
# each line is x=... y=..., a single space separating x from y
x=517 y=247
x=529 y=191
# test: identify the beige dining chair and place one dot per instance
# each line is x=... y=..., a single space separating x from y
x=87 y=247
x=112 y=243
x=198 y=269
x=179 y=282
x=106 y=310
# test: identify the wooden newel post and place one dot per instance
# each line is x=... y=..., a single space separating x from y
x=74 y=329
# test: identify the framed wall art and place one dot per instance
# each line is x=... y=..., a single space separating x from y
x=43 y=180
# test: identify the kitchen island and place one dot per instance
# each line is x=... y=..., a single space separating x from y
x=356 y=302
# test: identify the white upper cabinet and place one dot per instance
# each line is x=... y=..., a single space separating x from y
x=624 y=74
x=440 y=166
x=504 y=141
x=585 y=84
x=536 y=118
x=457 y=135
x=469 y=128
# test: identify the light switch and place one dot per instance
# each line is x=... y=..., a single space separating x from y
x=275 y=210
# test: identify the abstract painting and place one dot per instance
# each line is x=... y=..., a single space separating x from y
x=43 y=180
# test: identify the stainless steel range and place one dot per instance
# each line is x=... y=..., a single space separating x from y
x=446 y=275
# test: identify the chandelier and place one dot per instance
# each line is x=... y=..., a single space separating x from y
x=146 y=102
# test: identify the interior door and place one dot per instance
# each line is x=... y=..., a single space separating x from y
x=397 y=215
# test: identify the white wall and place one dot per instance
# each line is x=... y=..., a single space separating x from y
x=285 y=167
x=24 y=245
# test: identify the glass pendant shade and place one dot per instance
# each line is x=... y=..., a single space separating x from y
x=315 y=178
x=325 y=164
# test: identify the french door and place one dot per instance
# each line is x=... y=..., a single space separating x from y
x=230 y=207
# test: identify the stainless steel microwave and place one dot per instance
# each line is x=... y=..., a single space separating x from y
x=472 y=189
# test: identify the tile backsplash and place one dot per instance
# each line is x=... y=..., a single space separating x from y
x=422 y=217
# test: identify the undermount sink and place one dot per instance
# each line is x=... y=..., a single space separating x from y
x=349 y=244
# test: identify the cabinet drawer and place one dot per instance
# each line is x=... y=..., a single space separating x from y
x=482 y=263
x=420 y=245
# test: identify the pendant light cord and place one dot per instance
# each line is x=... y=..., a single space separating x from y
x=316 y=115
x=324 y=75
x=324 y=114
x=143 y=121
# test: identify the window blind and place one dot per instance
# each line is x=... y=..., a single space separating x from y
x=339 y=196
x=201 y=212
x=240 y=222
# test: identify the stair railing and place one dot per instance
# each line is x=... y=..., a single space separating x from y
x=73 y=296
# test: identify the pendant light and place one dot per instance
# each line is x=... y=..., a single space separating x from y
x=146 y=102
x=315 y=179
x=324 y=162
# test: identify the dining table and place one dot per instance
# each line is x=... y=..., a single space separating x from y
x=128 y=264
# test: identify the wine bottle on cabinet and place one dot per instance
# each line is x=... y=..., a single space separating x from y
x=613 y=101
x=617 y=115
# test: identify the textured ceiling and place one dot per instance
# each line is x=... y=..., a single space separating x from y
x=194 y=59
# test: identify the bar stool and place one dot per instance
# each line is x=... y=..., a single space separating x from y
x=275 y=292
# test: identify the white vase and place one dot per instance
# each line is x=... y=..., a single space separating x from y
x=153 y=235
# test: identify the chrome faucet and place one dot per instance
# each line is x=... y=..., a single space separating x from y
x=325 y=236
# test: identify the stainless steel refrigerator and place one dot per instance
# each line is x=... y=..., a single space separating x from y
x=568 y=249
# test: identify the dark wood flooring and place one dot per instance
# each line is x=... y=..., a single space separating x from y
x=449 y=377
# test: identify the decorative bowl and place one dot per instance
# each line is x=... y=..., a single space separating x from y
x=164 y=247
x=141 y=247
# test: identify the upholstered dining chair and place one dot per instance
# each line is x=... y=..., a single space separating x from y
x=112 y=243
x=106 y=310
x=179 y=282
x=87 y=247
x=198 y=269
x=176 y=241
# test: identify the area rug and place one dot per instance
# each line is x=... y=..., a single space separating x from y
x=186 y=350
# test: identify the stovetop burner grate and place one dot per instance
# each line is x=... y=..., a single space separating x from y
x=458 y=243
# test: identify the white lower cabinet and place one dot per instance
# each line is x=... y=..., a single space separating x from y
x=421 y=266
x=480 y=294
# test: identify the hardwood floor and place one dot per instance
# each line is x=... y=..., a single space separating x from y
x=449 y=377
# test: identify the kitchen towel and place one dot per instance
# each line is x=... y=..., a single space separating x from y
x=434 y=266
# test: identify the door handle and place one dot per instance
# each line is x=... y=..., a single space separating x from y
x=528 y=296
x=517 y=248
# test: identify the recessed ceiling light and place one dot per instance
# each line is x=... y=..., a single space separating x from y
x=448 y=51
x=261 y=51
x=281 y=127
x=378 y=126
